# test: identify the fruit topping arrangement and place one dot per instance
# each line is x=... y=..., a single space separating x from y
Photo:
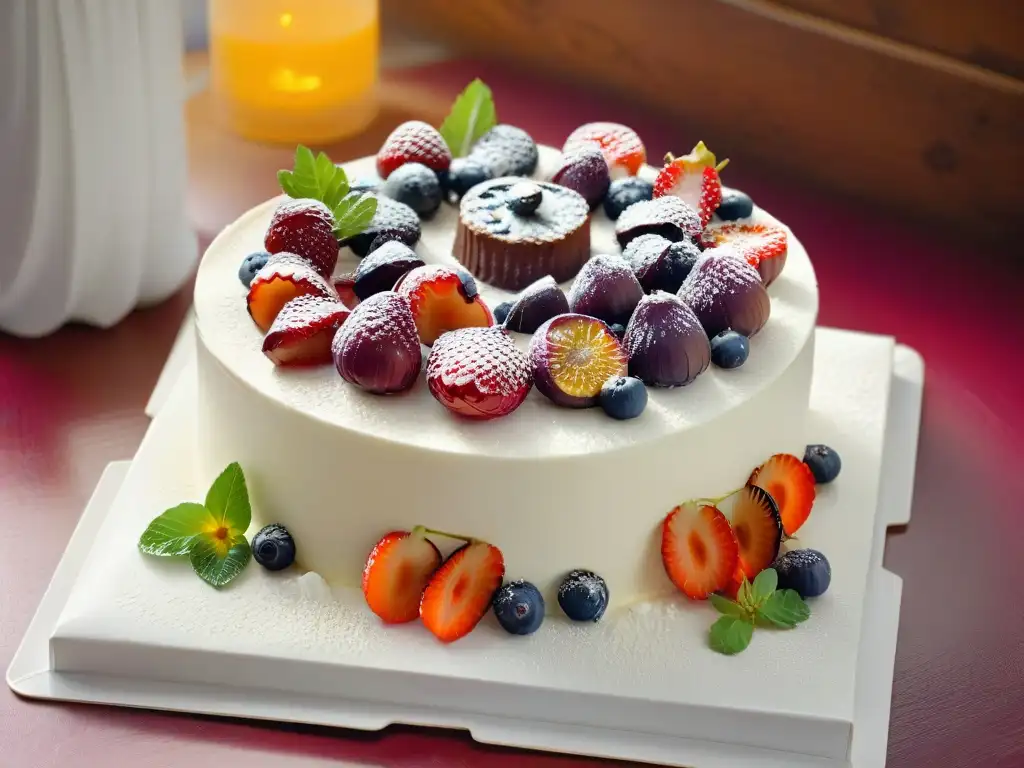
x=728 y=550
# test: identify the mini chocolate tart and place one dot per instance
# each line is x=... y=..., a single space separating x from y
x=513 y=231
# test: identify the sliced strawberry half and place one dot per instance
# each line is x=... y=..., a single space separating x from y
x=396 y=573
x=303 y=330
x=620 y=145
x=345 y=286
x=763 y=246
x=757 y=526
x=698 y=549
x=460 y=593
x=284 y=277
x=694 y=179
x=791 y=485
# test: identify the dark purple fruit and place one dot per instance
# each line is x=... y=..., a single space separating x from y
x=393 y=220
x=539 y=302
x=382 y=268
x=607 y=289
x=726 y=292
x=668 y=216
x=505 y=151
x=660 y=264
x=586 y=172
x=378 y=348
x=666 y=344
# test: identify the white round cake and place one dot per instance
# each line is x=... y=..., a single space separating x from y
x=555 y=489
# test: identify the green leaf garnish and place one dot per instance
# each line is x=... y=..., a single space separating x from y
x=726 y=607
x=764 y=585
x=316 y=177
x=173 y=532
x=730 y=634
x=472 y=115
x=745 y=596
x=211 y=534
x=784 y=609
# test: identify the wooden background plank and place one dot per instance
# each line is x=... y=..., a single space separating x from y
x=924 y=134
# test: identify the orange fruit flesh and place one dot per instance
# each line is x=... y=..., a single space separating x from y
x=442 y=312
x=267 y=299
x=584 y=355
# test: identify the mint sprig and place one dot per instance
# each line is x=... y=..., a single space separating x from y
x=211 y=534
x=471 y=116
x=757 y=604
x=316 y=177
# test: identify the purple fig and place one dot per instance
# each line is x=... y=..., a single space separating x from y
x=572 y=356
x=668 y=216
x=378 y=348
x=666 y=344
x=726 y=292
x=585 y=171
x=659 y=264
x=607 y=289
x=383 y=267
x=539 y=301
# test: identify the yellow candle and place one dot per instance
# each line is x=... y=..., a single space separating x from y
x=295 y=70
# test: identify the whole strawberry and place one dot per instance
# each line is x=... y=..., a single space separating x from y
x=622 y=148
x=478 y=373
x=694 y=179
x=305 y=228
x=413 y=142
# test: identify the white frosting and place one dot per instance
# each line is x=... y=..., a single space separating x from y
x=553 y=488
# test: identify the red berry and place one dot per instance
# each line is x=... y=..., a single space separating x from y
x=755 y=521
x=763 y=246
x=443 y=299
x=396 y=573
x=303 y=330
x=460 y=592
x=791 y=485
x=413 y=142
x=284 y=277
x=377 y=348
x=478 y=373
x=305 y=228
x=620 y=145
x=345 y=285
x=698 y=549
x=694 y=179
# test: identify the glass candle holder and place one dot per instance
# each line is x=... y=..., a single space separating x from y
x=295 y=71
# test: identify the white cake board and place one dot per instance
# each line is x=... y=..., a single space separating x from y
x=460 y=686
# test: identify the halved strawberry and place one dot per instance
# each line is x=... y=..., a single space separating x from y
x=460 y=593
x=285 y=277
x=620 y=145
x=396 y=573
x=698 y=549
x=694 y=179
x=732 y=589
x=791 y=485
x=345 y=286
x=443 y=299
x=764 y=246
x=757 y=526
x=303 y=330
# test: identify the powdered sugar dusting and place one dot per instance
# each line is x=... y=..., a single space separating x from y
x=485 y=357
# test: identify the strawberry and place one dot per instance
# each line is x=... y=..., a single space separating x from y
x=620 y=145
x=345 y=285
x=732 y=588
x=698 y=549
x=757 y=526
x=284 y=277
x=460 y=592
x=764 y=246
x=478 y=373
x=694 y=179
x=305 y=228
x=303 y=330
x=396 y=573
x=413 y=142
x=791 y=485
x=443 y=299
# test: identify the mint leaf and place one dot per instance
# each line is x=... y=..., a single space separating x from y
x=174 y=532
x=353 y=214
x=784 y=609
x=472 y=115
x=314 y=177
x=725 y=606
x=745 y=596
x=730 y=635
x=764 y=585
x=219 y=561
x=228 y=501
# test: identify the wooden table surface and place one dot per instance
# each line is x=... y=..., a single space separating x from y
x=74 y=401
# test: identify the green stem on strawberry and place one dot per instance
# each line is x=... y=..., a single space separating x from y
x=422 y=530
x=716 y=501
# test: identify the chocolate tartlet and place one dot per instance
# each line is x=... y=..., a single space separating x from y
x=514 y=231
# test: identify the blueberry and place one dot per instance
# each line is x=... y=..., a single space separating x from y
x=506 y=150
x=734 y=205
x=252 y=264
x=623 y=397
x=519 y=607
x=384 y=237
x=729 y=349
x=415 y=185
x=624 y=192
x=501 y=312
x=583 y=596
x=618 y=330
x=824 y=463
x=524 y=198
x=463 y=175
x=273 y=547
x=804 y=570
